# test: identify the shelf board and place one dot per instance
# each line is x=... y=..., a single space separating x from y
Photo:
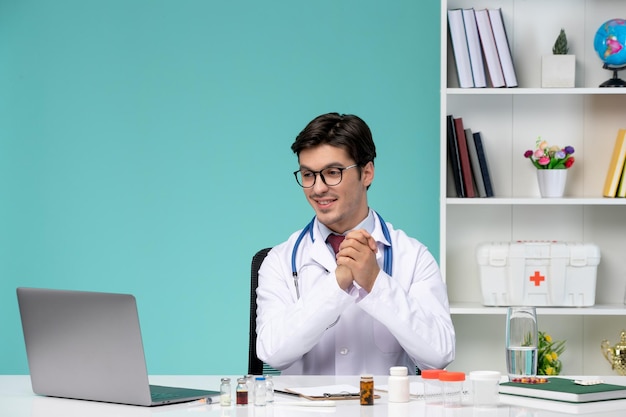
x=535 y=91
x=566 y=201
x=597 y=310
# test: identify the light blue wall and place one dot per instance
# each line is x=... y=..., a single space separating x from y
x=144 y=148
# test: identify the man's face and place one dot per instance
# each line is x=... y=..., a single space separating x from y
x=343 y=206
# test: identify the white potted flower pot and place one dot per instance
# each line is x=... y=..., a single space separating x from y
x=558 y=71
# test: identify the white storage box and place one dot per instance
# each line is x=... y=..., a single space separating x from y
x=538 y=273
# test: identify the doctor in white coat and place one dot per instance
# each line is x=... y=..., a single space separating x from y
x=379 y=302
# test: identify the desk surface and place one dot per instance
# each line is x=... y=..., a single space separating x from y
x=18 y=400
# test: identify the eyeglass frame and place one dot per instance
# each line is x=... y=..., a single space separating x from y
x=316 y=173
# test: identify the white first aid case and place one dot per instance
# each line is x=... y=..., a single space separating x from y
x=530 y=273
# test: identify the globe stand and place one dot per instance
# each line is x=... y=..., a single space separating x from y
x=615 y=81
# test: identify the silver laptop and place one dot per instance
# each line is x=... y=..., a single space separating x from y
x=88 y=346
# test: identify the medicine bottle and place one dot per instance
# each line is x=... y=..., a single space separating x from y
x=452 y=384
x=260 y=389
x=432 y=386
x=398 y=384
x=242 y=391
x=251 y=386
x=225 y=392
x=269 y=384
x=367 y=390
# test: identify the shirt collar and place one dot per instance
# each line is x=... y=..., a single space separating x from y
x=368 y=224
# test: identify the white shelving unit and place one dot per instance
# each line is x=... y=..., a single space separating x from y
x=510 y=119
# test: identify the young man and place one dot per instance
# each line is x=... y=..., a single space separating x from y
x=379 y=302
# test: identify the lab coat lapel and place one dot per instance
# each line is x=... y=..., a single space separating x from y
x=321 y=254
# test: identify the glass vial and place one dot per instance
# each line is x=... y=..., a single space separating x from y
x=398 y=384
x=367 y=390
x=242 y=392
x=269 y=385
x=225 y=392
x=260 y=390
x=250 y=381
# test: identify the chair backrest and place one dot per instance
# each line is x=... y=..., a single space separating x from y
x=255 y=365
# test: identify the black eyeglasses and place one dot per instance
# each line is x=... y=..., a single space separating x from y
x=330 y=176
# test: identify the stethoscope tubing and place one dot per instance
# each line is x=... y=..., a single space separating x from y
x=388 y=253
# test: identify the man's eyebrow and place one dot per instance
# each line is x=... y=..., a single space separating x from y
x=330 y=165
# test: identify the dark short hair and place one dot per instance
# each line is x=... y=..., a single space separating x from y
x=345 y=131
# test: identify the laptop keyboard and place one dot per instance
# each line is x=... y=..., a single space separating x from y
x=160 y=393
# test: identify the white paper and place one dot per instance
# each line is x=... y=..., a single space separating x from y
x=326 y=389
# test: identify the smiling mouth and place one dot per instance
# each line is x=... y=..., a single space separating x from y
x=324 y=202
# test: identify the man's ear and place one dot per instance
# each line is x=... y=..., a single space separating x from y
x=367 y=173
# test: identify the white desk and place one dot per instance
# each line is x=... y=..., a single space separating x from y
x=18 y=400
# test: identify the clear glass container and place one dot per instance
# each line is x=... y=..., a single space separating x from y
x=521 y=341
x=269 y=384
x=367 y=390
x=225 y=392
x=251 y=386
x=242 y=392
x=260 y=390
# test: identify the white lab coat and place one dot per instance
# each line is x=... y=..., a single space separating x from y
x=404 y=321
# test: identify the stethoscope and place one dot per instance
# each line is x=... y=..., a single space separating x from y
x=388 y=252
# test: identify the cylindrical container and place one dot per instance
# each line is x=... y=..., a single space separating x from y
x=521 y=341
x=242 y=392
x=251 y=386
x=452 y=384
x=432 y=387
x=485 y=388
x=398 y=384
x=269 y=384
x=367 y=390
x=225 y=392
x=260 y=389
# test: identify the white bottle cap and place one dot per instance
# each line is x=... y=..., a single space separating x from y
x=398 y=371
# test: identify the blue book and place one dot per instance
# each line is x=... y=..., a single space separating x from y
x=484 y=167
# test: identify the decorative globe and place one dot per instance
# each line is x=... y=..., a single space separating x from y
x=610 y=42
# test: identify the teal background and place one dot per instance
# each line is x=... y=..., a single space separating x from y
x=145 y=149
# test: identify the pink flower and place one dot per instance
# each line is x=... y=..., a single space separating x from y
x=544 y=160
x=547 y=156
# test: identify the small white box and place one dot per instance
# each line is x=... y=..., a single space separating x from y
x=560 y=274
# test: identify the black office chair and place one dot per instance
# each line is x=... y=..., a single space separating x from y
x=255 y=365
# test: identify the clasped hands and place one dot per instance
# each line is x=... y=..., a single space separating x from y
x=356 y=260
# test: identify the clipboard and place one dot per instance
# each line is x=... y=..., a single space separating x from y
x=329 y=392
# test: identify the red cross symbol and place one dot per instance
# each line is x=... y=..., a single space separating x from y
x=537 y=278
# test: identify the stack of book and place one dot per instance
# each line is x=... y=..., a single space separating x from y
x=468 y=160
x=479 y=40
x=615 y=183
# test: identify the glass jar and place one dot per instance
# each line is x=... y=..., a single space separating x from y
x=225 y=392
x=242 y=392
x=367 y=390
